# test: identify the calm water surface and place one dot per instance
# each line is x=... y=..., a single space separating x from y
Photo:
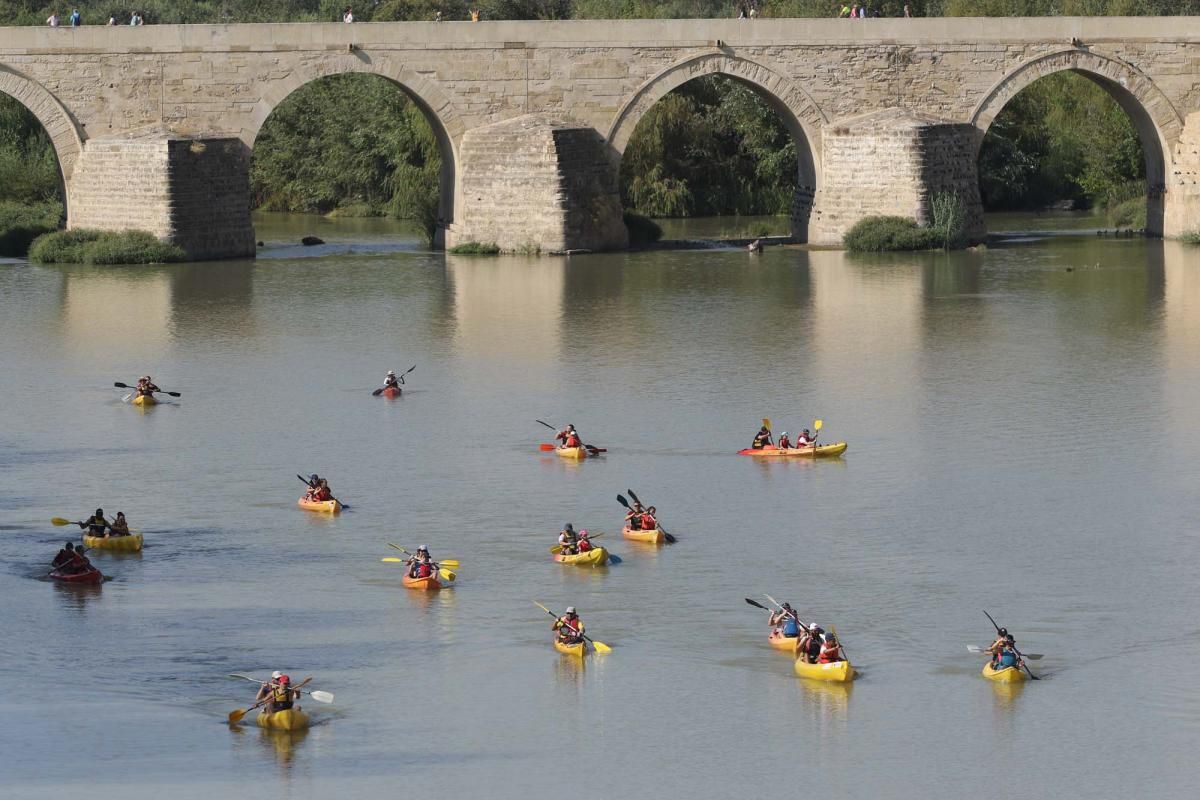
x=1023 y=439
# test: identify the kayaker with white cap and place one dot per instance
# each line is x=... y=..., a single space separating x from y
x=809 y=645
x=784 y=441
x=145 y=387
x=422 y=565
x=569 y=627
x=277 y=694
x=569 y=437
x=392 y=381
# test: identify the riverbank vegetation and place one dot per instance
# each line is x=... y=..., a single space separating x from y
x=356 y=145
x=82 y=246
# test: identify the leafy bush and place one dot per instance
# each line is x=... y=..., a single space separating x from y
x=642 y=230
x=879 y=234
x=475 y=249
x=20 y=224
x=1192 y=237
x=83 y=246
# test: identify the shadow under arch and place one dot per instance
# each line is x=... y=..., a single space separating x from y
x=425 y=94
x=54 y=118
x=799 y=113
x=1157 y=121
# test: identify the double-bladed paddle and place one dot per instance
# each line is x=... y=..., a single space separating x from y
x=1020 y=655
x=236 y=716
x=316 y=694
x=120 y=385
x=984 y=651
x=379 y=391
x=670 y=538
x=304 y=480
x=600 y=647
x=592 y=449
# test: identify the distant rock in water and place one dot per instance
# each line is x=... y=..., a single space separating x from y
x=258 y=244
x=309 y=241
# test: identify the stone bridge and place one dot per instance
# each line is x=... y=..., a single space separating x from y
x=154 y=126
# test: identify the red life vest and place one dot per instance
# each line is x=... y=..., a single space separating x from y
x=572 y=441
x=649 y=523
x=829 y=654
x=424 y=570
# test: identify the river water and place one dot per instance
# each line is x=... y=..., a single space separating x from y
x=1023 y=439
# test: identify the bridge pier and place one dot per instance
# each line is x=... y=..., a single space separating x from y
x=192 y=192
x=538 y=184
x=894 y=162
x=1181 y=211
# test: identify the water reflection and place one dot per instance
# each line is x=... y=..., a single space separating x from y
x=1006 y=695
x=76 y=596
x=284 y=744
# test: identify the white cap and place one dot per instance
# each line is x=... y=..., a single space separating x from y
x=391 y=372
x=276 y=675
x=783 y=434
x=570 y=609
x=812 y=626
x=423 y=547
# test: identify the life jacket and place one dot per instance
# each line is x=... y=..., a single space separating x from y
x=281 y=697
x=829 y=654
x=572 y=440
x=790 y=628
x=322 y=494
x=784 y=443
x=584 y=545
x=649 y=523
x=424 y=570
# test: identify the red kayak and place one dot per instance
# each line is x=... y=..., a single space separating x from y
x=93 y=575
x=391 y=391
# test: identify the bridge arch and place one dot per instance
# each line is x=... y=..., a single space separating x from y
x=447 y=126
x=1157 y=121
x=799 y=113
x=60 y=127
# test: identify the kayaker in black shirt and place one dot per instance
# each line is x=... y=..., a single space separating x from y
x=64 y=557
x=96 y=524
x=762 y=438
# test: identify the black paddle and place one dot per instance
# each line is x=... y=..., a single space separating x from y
x=120 y=385
x=592 y=449
x=670 y=539
x=306 y=483
x=379 y=391
x=1014 y=647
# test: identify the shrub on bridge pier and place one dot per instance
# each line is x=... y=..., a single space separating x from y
x=82 y=246
x=21 y=223
x=879 y=234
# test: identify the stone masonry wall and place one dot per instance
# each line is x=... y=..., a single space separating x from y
x=947 y=155
x=1183 y=187
x=537 y=183
x=210 y=193
x=121 y=184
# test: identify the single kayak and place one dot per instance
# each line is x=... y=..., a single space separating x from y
x=422 y=584
x=129 y=543
x=592 y=558
x=391 y=391
x=1006 y=675
x=144 y=400
x=820 y=451
x=837 y=672
x=290 y=719
x=572 y=452
x=91 y=576
x=579 y=649
x=328 y=506
x=650 y=537
x=781 y=642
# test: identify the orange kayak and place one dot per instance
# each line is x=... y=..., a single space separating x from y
x=421 y=584
x=391 y=391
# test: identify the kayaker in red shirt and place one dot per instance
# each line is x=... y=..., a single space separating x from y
x=804 y=439
x=569 y=437
x=784 y=441
x=649 y=519
x=569 y=627
x=584 y=544
x=278 y=693
x=422 y=565
x=321 y=492
x=831 y=651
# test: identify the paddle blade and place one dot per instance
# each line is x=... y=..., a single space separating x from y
x=766 y=423
x=542 y=607
x=392 y=560
x=818 y=424
x=120 y=385
x=670 y=537
x=450 y=562
x=396 y=547
x=236 y=716
x=621 y=499
x=447 y=575
x=601 y=647
x=756 y=604
x=59 y=521
x=546 y=448
x=377 y=392
x=973 y=649
x=244 y=677
x=321 y=697
x=556 y=549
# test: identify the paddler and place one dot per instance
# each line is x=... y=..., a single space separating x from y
x=119 y=526
x=318 y=491
x=831 y=651
x=568 y=437
x=278 y=694
x=569 y=627
x=784 y=621
x=1004 y=651
x=314 y=483
x=784 y=441
x=392 y=381
x=584 y=543
x=422 y=565
x=762 y=438
x=64 y=557
x=805 y=439
x=808 y=647
x=650 y=519
x=96 y=524
x=633 y=517
x=568 y=540
x=145 y=387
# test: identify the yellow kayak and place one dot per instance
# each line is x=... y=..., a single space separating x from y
x=292 y=719
x=838 y=671
x=572 y=452
x=129 y=543
x=820 y=451
x=329 y=506
x=781 y=642
x=592 y=558
x=1006 y=675
x=650 y=537
x=579 y=650
x=144 y=400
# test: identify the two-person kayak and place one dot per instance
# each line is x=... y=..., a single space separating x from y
x=128 y=543
x=595 y=557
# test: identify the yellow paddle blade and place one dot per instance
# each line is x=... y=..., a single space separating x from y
x=556 y=549
x=397 y=547
x=236 y=716
x=393 y=560
x=447 y=575
x=601 y=647
x=59 y=521
x=766 y=423
x=818 y=424
x=449 y=562
x=543 y=608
